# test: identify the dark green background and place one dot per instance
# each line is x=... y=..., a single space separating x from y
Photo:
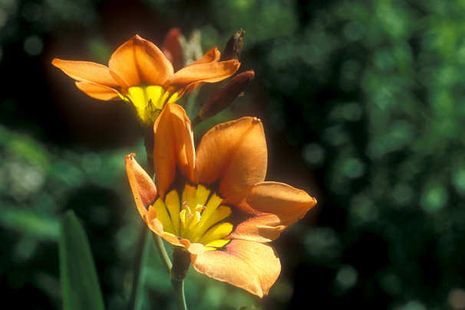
x=364 y=107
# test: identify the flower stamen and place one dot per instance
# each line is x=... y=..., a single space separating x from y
x=199 y=217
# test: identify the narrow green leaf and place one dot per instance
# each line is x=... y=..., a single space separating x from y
x=138 y=286
x=79 y=283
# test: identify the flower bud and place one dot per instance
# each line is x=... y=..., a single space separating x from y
x=223 y=98
x=172 y=48
x=234 y=46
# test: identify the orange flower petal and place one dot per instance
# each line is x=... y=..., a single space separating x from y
x=97 y=91
x=260 y=228
x=193 y=247
x=139 y=61
x=142 y=187
x=174 y=146
x=233 y=153
x=210 y=56
x=86 y=71
x=249 y=265
x=210 y=72
x=288 y=203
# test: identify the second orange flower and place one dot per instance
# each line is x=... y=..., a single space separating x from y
x=139 y=73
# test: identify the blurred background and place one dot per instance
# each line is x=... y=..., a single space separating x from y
x=364 y=107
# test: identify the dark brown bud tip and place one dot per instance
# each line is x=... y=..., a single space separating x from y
x=224 y=97
x=234 y=46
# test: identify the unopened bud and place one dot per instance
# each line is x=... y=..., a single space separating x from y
x=234 y=46
x=172 y=48
x=223 y=98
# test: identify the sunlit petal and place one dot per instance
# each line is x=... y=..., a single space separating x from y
x=235 y=154
x=174 y=146
x=249 y=265
x=288 y=203
x=86 y=71
x=210 y=56
x=210 y=72
x=97 y=91
x=142 y=186
x=259 y=228
x=138 y=61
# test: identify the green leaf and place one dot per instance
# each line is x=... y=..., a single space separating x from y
x=79 y=283
x=138 y=285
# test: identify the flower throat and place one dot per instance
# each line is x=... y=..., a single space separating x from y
x=196 y=215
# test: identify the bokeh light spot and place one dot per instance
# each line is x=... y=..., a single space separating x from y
x=457 y=299
x=313 y=154
x=347 y=277
x=33 y=45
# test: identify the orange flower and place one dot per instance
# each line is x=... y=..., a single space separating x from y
x=214 y=203
x=139 y=73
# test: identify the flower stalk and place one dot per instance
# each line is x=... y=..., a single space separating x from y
x=180 y=296
x=163 y=253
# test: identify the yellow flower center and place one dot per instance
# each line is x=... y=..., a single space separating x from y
x=197 y=215
x=149 y=100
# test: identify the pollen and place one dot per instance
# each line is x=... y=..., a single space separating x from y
x=197 y=215
x=149 y=100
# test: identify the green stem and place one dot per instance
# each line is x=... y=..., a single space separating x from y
x=163 y=253
x=141 y=256
x=178 y=286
